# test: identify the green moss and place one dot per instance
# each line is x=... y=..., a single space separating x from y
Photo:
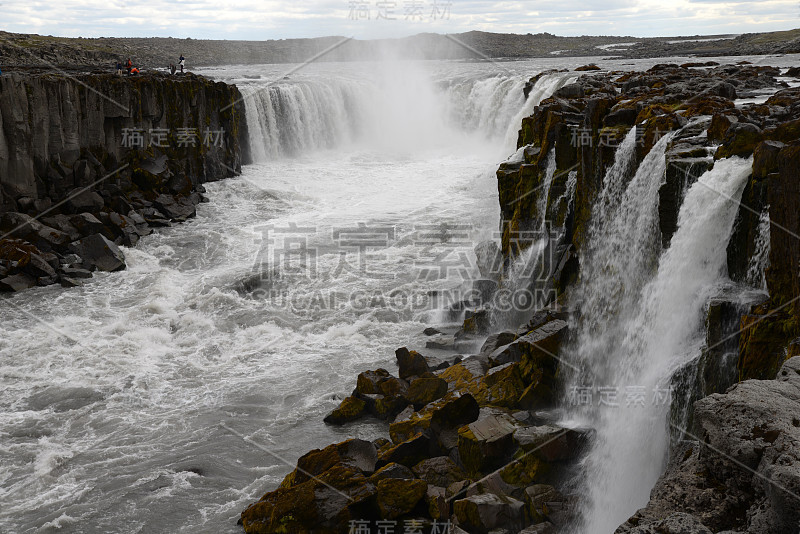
x=397 y=497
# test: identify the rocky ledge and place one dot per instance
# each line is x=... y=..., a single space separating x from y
x=89 y=162
x=470 y=444
x=466 y=447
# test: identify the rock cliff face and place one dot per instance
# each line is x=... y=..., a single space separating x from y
x=104 y=157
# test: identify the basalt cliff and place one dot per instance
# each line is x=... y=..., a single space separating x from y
x=92 y=161
x=472 y=444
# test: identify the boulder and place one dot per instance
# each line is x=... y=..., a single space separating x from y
x=392 y=470
x=487 y=443
x=496 y=341
x=425 y=390
x=326 y=503
x=98 y=252
x=539 y=499
x=550 y=442
x=410 y=452
x=17 y=282
x=350 y=409
x=439 y=471
x=88 y=224
x=84 y=201
x=486 y=512
x=398 y=497
x=25 y=227
x=411 y=363
x=354 y=454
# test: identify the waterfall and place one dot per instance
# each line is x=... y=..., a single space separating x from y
x=400 y=108
x=529 y=265
x=759 y=261
x=638 y=331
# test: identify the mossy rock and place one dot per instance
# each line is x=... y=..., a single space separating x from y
x=740 y=140
x=367 y=382
x=398 y=497
x=311 y=506
x=350 y=409
x=763 y=341
x=425 y=390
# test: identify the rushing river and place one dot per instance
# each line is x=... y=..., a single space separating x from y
x=167 y=397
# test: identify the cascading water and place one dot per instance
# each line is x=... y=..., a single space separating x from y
x=399 y=108
x=759 y=261
x=636 y=332
x=528 y=267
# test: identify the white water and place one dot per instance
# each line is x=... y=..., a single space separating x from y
x=658 y=330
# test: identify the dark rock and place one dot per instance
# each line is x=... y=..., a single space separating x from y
x=88 y=224
x=25 y=227
x=37 y=267
x=486 y=512
x=17 y=282
x=496 y=341
x=430 y=331
x=439 y=471
x=571 y=91
x=350 y=409
x=589 y=67
x=97 y=251
x=539 y=499
x=487 y=443
x=84 y=201
x=398 y=497
x=62 y=224
x=421 y=391
x=740 y=140
x=392 y=470
x=551 y=443
x=411 y=363
x=410 y=452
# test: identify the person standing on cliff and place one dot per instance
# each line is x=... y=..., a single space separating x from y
x=119 y=68
x=182 y=62
x=129 y=64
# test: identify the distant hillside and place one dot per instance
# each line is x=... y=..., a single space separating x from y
x=36 y=50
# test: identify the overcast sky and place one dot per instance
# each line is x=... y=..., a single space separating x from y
x=276 y=19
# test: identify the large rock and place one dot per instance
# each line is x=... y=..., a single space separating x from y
x=550 y=442
x=486 y=512
x=350 y=409
x=17 y=282
x=397 y=497
x=422 y=391
x=410 y=363
x=440 y=471
x=98 y=252
x=487 y=443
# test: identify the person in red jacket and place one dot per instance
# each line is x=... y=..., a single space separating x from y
x=129 y=64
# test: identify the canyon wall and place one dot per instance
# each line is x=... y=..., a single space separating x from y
x=106 y=155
